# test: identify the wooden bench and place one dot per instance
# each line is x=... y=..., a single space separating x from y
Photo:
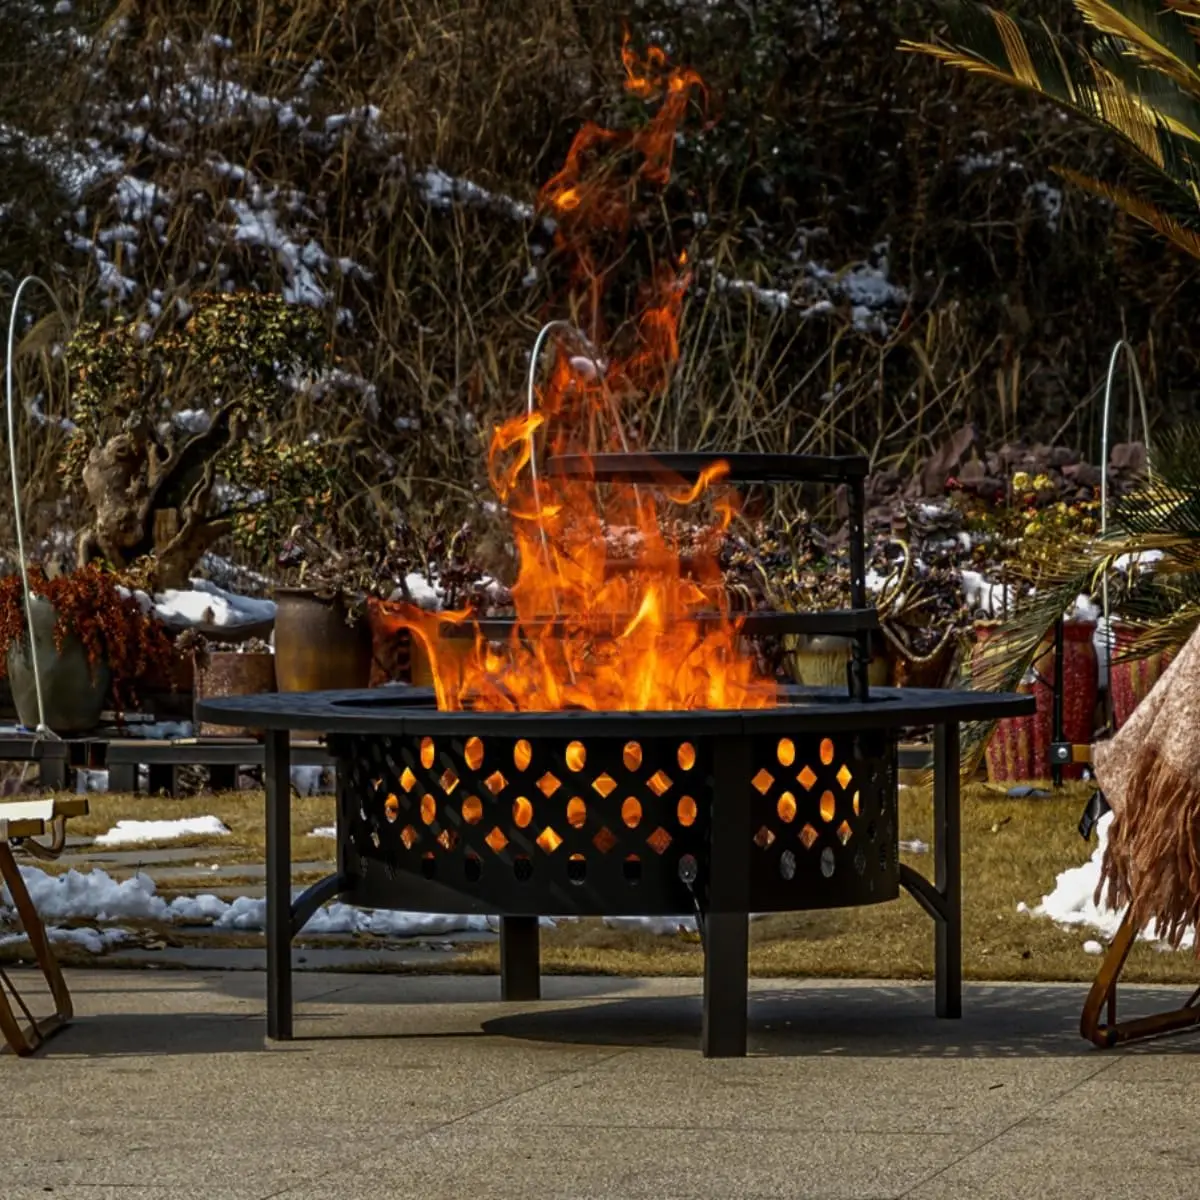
x=50 y=756
x=21 y=822
x=223 y=756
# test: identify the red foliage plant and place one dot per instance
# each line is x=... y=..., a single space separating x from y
x=88 y=605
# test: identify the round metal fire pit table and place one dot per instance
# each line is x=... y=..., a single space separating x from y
x=704 y=813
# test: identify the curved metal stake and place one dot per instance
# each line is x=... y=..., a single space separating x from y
x=312 y=898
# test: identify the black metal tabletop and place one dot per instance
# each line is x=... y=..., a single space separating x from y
x=406 y=710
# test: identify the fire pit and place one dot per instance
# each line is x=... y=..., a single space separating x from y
x=717 y=814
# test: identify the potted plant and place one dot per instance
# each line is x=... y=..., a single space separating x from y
x=90 y=639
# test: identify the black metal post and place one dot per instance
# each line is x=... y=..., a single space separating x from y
x=1056 y=771
x=727 y=922
x=857 y=536
x=520 y=965
x=947 y=834
x=279 y=886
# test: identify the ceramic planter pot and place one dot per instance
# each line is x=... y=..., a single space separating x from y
x=1019 y=749
x=1132 y=679
x=73 y=691
x=822 y=661
x=317 y=649
x=230 y=673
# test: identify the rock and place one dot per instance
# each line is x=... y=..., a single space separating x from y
x=1083 y=475
x=973 y=472
x=945 y=462
x=1129 y=457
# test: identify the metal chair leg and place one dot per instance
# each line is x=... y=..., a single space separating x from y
x=25 y=1038
x=1103 y=998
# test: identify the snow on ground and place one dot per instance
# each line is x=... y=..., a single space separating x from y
x=96 y=941
x=324 y=831
x=204 y=603
x=132 y=833
x=1073 y=902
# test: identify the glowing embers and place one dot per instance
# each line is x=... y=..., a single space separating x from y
x=659 y=783
x=786 y=808
x=548 y=785
x=686 y=756
x=764 y=838
x=548 y=840
x=522 y=755
x=763 y=781
x=391 y=808
x=576 y=756
x=522 y=812
x=496 y=839
x=659 y=840
x=807 y=779
x=605 y=785
x=448 y=839
x=828 y=806
x=827 y=752
x=408 y=780
x=576 y=813
x=409 y=836
x=786 y=752
x=473 y=753
x=844 y=832
x=427 y=756
x=604 y=840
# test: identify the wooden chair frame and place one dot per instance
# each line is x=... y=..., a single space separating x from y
x=20 y=824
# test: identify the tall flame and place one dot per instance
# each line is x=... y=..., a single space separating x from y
x=591 y=632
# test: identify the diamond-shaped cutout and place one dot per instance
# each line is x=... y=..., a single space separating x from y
x=844 y=777
x=845 y=833
x=447 y=839
x=548 y=785
x=763 y=780
x=659 y=840
x=496 y=839
x=605 y=785
x=763 y=838
x=549 y=840
x=409 y=836
x=449 y=781
x=807 y=779
x=808 y=835
x=408 y=780
x=495 y=783
x=659 y=783
x=604 y=840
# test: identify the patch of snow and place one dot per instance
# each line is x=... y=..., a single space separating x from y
x=133 y=833
x=991 y=599
x=207 y=604
x=324 y=831
x=1092 y=947
x=1050 y=200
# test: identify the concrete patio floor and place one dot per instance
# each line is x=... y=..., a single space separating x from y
x=431 y=1087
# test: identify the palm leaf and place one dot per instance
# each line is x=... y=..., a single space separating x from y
x=1151 y=34
x=1187 y=240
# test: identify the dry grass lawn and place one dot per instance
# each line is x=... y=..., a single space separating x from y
x=1012 y=851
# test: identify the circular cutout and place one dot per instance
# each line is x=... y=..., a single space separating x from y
x=522 y=812
x=828 y=806
x=631 y=812
x=826 y=751
x=786 y=808
x=576 y=756
x=686 y=755
x=427 y=753
x=522 y=755
x=428 y=809
x=786 y=752
x=576 y=813
x=685 y=810
x=631 y=868
x=391 y=808
x=689 y=869
x=472 y=868
x=472 y=810
x=576 y=868
x=428 y=864
x=632 y=756
x=473 y=753
x=523 y=868
x=787 y=865
x=827 y=862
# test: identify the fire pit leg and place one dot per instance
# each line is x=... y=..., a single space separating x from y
x=948 y=871
x=520 y=966
x=727 y=923
x=279 y=886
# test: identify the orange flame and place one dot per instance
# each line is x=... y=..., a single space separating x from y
x=591 y=632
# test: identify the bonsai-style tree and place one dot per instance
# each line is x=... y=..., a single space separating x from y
x=175 y=447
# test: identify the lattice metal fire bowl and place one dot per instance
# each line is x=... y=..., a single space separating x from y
x=717 y=814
